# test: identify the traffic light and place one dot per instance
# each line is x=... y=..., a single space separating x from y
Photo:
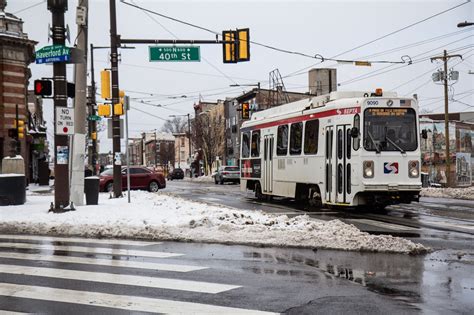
x=236 y=46
x=103 y=110
x=118 y=109
x=105 y=84
x=245 y=111
x=43 y=87
x=94 y=135
x=20 y=128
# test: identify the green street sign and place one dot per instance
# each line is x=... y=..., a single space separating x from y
x=174 y=53
x=94 y=118
x=53 y=53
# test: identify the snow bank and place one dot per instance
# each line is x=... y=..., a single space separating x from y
x=203 y=178
x=161 y=217
x=456 y=193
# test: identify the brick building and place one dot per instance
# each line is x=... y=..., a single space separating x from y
x=16 y=53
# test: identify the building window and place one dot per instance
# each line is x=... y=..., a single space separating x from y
x=282 y=140
x=296 y=132
x=255 y=143
x=183 y=141
x=311 y=132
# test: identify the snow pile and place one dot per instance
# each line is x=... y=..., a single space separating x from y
x=456 y=193
x=162 y=217
x=203 y=178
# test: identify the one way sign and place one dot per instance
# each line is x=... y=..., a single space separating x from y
x=64 y=121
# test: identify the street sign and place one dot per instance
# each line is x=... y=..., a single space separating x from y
x=174 y=53
x=64 y=121
x=94 y=118
x=53 y=53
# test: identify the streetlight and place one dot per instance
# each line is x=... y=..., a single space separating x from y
x=189 y=136
x=465 y=23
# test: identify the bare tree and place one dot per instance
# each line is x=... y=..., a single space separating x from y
x=209 y=137
x=175 y=125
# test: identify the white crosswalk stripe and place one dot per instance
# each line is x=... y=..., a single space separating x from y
x=30 y=269
x=91 y=250
x=125 y=302
x=76 y=240
x=104 y=262
x=160 y=283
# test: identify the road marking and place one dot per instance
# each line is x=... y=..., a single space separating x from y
x=384 y=225
x=124 y=302
x=451 y=225
x=77 y=240
x=2 y=312
x=102 y=277
x=92 y=250
x=209 y=199
x=104 y=262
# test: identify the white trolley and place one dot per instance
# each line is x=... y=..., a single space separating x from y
x=342 y=149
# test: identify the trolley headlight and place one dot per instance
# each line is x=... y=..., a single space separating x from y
x=413 y=169
x=368 y=167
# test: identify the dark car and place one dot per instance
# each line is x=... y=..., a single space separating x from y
x=140 y=178
x=176 y=173
x=227 y=174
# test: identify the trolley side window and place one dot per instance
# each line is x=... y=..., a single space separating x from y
x=255 y=151
x=245 y=144
x=282 y=140
x=296 y=132
x=311 y=133
x=356 y=141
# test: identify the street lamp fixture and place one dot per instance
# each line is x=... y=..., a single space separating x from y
x=465 y=23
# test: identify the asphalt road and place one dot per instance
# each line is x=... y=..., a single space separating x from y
x=78 y=276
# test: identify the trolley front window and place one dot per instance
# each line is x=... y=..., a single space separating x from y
x=245 y=144
x=390 y=129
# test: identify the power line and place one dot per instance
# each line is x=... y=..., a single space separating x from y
x=282 y=50
x=30 y=7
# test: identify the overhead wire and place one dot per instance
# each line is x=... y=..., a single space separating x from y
x=29 y=7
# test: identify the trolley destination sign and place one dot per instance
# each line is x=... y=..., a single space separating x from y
x=53 y=53
x=175 y=53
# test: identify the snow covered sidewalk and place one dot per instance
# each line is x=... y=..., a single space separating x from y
x=162 y=217
x=466 y=193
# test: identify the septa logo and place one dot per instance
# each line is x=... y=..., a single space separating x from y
x=390 y=168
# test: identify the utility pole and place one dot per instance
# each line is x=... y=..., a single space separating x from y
x=80 y=107
x=445 y=59
x=156 y=151
x=114 y=43
x=92 y=153
x=61 y=142
x=189 y=139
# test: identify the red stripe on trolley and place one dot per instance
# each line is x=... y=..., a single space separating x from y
x=327 y=113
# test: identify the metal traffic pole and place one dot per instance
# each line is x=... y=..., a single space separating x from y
x=126 y=105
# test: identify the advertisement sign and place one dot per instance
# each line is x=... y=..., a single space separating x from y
x=62 y=154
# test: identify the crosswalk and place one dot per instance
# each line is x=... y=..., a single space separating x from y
x=40 y=274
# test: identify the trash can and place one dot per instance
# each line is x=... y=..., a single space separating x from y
x=91 y=189
x=12 y=189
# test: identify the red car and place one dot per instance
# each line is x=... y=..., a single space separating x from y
x=140 y=178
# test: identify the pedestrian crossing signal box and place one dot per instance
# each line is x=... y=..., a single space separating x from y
x=236 y=45
x=43 y=87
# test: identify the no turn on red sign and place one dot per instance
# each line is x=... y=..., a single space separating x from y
x=64 y=121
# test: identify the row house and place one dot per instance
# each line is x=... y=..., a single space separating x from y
x=153 y=149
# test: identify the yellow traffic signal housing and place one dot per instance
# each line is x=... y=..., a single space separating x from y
x=105 y=84
x=245 y=111
x=20 y=127
x=94 y=135
x=121 y=93
x=118 y=109
x=236 y=46
x=103 y=110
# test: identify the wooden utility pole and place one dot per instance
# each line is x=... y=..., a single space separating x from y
x=445 y=59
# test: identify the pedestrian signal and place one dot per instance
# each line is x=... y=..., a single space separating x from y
x=43 y=87
x=105 y=84
x=103 y=110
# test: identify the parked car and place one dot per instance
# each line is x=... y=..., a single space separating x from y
x=176 y=173
x=227 y=174
x=140 y=178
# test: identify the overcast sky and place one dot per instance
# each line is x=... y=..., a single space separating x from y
x=327 y=28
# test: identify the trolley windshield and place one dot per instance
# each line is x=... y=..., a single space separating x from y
x=390 y=129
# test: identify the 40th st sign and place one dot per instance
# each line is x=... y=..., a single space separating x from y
x=175 y=53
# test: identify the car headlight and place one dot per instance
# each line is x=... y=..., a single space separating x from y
x=368 y=168
x=413 y=169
